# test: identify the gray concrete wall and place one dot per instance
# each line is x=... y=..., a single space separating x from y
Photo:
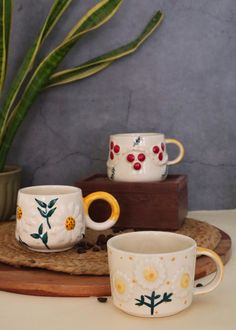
x=181 y=82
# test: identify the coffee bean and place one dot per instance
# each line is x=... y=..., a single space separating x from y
x=116 y=230
x=96 y=248
x=82 y=244
x=199 y=285
x=103 y=247
x=81 y=250
x=102 y=299
x=89 y=245
x=101 y=239
x=85 y=245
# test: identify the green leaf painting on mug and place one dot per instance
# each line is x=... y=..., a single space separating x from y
x=50 y=213
x=113 y=171
x=137 y=141
x=152 y=301
x=41 y=235
x=40 y=230
x=47 y=211
x=35 y=235
x=45 y=238
x=52 y=203
x=42 y=204
x=43 y=213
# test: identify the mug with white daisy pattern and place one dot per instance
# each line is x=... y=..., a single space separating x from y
x=53 y=218
x=152 y=273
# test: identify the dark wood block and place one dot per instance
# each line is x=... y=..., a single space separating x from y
x=144 y=205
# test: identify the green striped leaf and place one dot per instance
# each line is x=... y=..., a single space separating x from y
x=101 y=62
x=97 y=16
x=57 y=10
x=77 y=74
x=5 y=27
x=55 y=13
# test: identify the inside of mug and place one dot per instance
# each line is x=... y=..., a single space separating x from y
x=151 y=242
x=49 y=190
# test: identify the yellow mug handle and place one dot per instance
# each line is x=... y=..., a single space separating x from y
x=219 y=271
x=115 y=210
x=181 y=151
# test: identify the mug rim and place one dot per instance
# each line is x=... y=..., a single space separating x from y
x=150 y=232
x=32 y=190
x=144 y=134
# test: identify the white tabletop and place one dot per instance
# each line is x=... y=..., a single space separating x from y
x=216 y=310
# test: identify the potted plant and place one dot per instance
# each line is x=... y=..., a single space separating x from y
x=31 y=80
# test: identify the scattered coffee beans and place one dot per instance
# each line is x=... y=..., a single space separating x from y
x=101 y=240
x=102 y=299
x=101 y=244
x=81 y=250
x=117 y=230
x=103 y=247
x=96 y=248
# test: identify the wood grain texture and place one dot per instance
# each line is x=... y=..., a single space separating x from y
x=206 y=266
x=160 y=205
x=47 y=283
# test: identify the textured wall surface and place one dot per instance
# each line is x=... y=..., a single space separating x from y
x=181 y=82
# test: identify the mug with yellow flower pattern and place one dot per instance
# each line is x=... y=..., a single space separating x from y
x=152 y=273
x=53 y=218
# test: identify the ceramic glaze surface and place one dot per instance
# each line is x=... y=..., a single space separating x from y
x=153 y=284
x=140 y=157
x=48 y=221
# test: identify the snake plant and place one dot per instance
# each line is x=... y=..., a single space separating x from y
x=30 y=80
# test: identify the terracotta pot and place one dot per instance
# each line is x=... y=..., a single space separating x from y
x=9 y=185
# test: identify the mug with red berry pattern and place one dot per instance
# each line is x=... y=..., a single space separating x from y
x=152 y=273
x=53 y=218
x=140 y=157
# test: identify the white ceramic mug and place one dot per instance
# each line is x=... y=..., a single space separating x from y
x=152 y=273
x=53 y=218
x=140 y=157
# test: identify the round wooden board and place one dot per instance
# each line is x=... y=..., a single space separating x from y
x=41 y=282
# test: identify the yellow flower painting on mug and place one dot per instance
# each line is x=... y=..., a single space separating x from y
x=122 y=286
x=150 y=273
x=182 y=283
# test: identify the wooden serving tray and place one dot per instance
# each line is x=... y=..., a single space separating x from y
x=41 y=282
